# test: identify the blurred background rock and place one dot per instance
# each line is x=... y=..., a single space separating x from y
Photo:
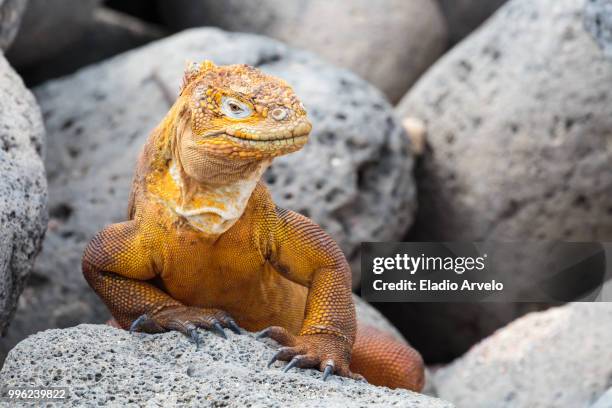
x=500 y=130
x=11 y=13
x=387 y=42
x=464 y=16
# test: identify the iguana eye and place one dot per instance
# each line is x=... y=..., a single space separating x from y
x=233 y=108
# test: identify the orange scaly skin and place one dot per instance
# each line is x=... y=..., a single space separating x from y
x=205 y=246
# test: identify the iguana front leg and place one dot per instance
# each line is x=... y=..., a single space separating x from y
x=305 y=254
x=118 y=264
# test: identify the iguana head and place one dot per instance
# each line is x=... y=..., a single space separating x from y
x=239 y=113
x=209 y=152
x=206 y=157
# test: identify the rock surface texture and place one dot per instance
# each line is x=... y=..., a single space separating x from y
x=48 y=27
x=387 y=42
x=518 y=132
x=464 y=16
x=23 y=188
x=558 y=358
x=598 y=21
x=105 y=366
x=11 y=12
x=353 y=177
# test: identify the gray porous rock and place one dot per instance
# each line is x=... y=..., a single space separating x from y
x=48 y=27
x=464 y=16
x=103 y=366
x=554 y=359
x=518 y=132
x=11 y=12
x=518 y=127
x=23 y=188
x=354 y=177
x=388 y=42
x=598 y=22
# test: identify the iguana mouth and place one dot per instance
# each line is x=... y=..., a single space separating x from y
x=271 y=143
x=289 y=135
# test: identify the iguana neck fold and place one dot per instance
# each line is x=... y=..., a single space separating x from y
x=212 y=209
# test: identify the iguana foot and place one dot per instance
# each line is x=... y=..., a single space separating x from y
x=327 y=352
x=186 y=320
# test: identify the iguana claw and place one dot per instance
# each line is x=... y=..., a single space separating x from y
x=281 y=353
x=217 y=328
x=273 y=359
x=329 y=368
x=234 y=327
x=195 y=337
x=262 y=334
x=136 y=323
x=294 y=361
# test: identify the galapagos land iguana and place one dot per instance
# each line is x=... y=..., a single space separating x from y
x=205 y=246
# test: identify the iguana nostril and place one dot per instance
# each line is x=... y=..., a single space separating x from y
x=279 y=114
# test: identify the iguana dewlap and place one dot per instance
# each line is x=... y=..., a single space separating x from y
x=205 y=246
